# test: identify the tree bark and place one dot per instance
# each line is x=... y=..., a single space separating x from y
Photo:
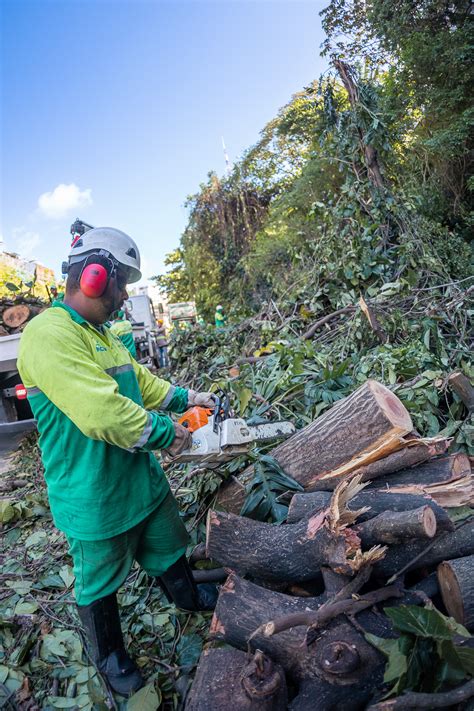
x=367 y=425
x=302 y=505
x=289 y=553
x=463 y=388
x=319 y=695
x=325 y=319
x=368 y=151
x=243 y=607
x=418 y=452
x=434 y=471
x=227 y=679
x=456 y=580
x=395 y=527
x=414 y=700
x=373 y=320
x=421 y=554
x=448 y=494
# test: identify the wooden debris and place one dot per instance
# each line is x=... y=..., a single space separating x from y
x=463 y=388
x=227 y=678
x=456 y=581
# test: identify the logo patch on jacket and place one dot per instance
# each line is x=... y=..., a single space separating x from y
x=100 y=348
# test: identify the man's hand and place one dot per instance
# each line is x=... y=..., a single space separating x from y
x=182 y=440
x=201 y=399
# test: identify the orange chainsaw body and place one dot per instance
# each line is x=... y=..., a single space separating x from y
x=195 y=418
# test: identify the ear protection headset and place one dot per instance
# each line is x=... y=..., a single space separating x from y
x=96 y=272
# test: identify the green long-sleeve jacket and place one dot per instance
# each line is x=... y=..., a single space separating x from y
x=124 y=331
x=99 y=415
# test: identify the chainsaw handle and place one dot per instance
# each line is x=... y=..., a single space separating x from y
x=221 y=408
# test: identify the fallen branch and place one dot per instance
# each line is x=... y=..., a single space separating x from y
x=328 y=611
x=322 y=321
x=415 y=700
x=463 y=388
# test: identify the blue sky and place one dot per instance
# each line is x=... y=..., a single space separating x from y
x=113 y=111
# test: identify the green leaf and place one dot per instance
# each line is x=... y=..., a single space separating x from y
x=457 y=656
x=7 y=512
x=11 y=287
x=61 y=702
x=67 y=575
x=146 y=699
x=189 y=650
x=35 y=538
x=397 y=661
x=424 y=622
x=25 y=608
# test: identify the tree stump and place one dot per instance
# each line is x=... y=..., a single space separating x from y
x=340 y=655
x=456 y=580
x=367 y=425
x=228 y=679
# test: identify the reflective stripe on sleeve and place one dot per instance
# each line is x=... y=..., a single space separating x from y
x=119 y=369
x=168 y=398
x=145 y=435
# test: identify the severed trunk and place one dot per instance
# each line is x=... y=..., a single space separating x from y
x=420 y=554
x=230 y=679
x=289 y=553
x=395 y=527
x=416 y=452
x=302 y=505
x=435 y=471
x=456 y=580
x=340 y=655
x=359 y=429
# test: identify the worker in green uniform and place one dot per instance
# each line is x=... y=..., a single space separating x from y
x=220 y=317
x=122 y=328
x=100 y=416
x=55 y=294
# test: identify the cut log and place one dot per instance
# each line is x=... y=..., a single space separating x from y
x=428 y=586
x=16 y=315
x=435 y=471
x=456 y=580
x=367 y=425
x=463 y=388
x=394 y=527
x=420 y=554
x=317 y=694
x=449 y=494
x=289 y=553
x=242 y=607
x=227 y=679
x=302 y=505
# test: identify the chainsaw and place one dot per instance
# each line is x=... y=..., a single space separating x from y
x=218 y=436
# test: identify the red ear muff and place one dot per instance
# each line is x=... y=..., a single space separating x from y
x=94 y=280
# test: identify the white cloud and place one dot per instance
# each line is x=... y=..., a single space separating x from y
x=25 y=241
x=63 y=199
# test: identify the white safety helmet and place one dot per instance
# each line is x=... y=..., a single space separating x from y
x=108 y=241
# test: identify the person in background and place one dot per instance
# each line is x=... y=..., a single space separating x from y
x=100 y=416
x=55 y=295
x=220 y=317
x=122 y=328
x=162 y=344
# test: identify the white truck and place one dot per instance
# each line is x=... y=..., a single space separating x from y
x=145 y=329
x=15 y=411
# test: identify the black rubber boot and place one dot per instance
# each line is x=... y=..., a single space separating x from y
x=101 y=622
x=179 y=587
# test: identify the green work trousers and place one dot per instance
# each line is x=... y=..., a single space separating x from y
x=101 y=567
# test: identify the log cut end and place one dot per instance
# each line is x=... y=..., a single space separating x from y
x=428 y=524
x=389 y=403
x=457 y=590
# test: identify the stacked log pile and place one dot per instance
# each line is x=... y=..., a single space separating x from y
x=373 y=528
x=15 y=313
